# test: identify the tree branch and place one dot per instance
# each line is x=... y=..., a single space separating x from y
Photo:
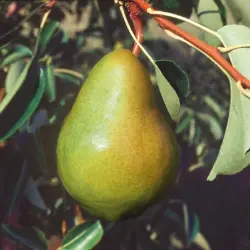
x=211 y=51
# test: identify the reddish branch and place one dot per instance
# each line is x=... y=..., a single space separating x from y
x=135 y=16
x=211 y=51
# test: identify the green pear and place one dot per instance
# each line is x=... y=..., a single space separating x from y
x=116 y=153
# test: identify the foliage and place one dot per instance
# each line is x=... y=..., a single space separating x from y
x=42 y=71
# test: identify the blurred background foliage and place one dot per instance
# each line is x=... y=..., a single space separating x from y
x=36 y=211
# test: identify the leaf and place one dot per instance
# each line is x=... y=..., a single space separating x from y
x=213 y=123
x=217 y=109
x=183 y=124
x=19 y=188
x=62 y=109
x=41 y=235
x=172 y=216
x=40 y=119
x=233 y=156
x=14 y=72
x=69 y=78
x=209 y=16
x=201 y=242
x=57 y=43
x=50 y=84
x=28 y=237
x=176 y=77
x=46 y=35
x=191 y=224
x=194 y=227
x=17 y=107
x=239 y=11
x=222 y=11
x=188 y=222
x=192 y=131
x=33 y=194
x=179 y=7
x=17 y=53
x=173 y=85
x=84 y=236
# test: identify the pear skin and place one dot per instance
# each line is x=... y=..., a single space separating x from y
x=116 y=152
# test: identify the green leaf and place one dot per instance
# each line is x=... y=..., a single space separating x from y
x=179 y=7
x=217 y=109
x=70 y=78
x=222 y=11
x=17 y=53
x=176 y=77
x=62 y=109
x=19 y=188
x=214 y=125
x=46 y=34
x=39 y=119
x=192 y=131
x=18 y=105
x=209 y=16
x=233 y=156
x=173 y=216
x=183 y=124
x=171 y=3
x=194 y=227
x=14 y=72
x=239 y=11
x=41 y=235
x=173 y=85
x=84 y=236
x=50 y=84
x=28 y=237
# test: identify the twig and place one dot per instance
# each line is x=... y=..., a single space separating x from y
x=70 y=72
x=209 y=50
x=24 y=20
x=231 y=48
x=245 y=92
x=154 y=12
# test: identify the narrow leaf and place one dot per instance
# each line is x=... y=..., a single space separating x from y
x=26 y=236
x=19 y=188
x=214 y=125
x=183 y=124
x=69 y=78
x=33 y=194
x=46 y=34
x=84 y=236
x=14 y=72
x=22 y=101
x=222 y=11
x=209 y=16
x=194 y=227
x=50 y=84
x=39 y=120
x=217 y=109
x=201 y=242
x=17 y=53
x=41 y=235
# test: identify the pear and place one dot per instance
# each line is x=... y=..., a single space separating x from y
x=116 y=153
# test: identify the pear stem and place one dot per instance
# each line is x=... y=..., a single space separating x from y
x=132 y=34
x=135 y=16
